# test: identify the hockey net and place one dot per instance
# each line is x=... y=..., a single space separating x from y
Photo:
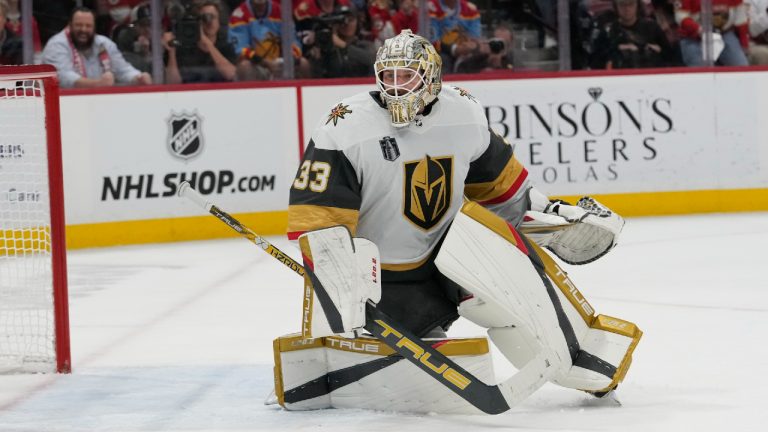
x=34 y=329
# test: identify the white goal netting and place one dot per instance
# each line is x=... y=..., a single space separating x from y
x=27 y=328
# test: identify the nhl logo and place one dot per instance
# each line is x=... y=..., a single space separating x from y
x=185 y=136
x=389 y=148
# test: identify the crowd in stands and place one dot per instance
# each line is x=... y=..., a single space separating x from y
x=108 y=42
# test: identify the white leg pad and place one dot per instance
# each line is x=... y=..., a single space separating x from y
x=341 y=274
x=614 y=348
x=336 y=372
x=487 y=257
x=509 y=294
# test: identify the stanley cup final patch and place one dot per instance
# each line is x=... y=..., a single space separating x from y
x=185 y=135
x=428 y=189
x=389 y=148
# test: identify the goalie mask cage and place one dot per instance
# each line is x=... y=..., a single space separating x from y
x=34 y=323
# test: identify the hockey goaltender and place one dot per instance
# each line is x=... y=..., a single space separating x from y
x=407 y=200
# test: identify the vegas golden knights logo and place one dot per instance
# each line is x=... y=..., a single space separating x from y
x=428 y=184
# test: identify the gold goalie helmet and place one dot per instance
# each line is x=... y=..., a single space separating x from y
x=408 y=75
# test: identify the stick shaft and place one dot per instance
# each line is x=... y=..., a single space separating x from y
x=186 y=191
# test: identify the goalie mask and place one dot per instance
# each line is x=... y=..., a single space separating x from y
x=408 y=75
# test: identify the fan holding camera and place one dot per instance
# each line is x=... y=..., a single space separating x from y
x=489 y=54
x=197 y=51
x=337 y=49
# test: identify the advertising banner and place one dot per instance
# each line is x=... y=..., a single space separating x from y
x=619 y=134
x=647 y=144
x=125 y=154
x=740 y=106
x=599 y=135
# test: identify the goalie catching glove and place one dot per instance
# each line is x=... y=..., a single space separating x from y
x=341 y=274
x=577 y=234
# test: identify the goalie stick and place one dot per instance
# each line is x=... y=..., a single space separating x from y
x=491 y=399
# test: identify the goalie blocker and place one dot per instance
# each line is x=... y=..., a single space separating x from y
x=341 y=275
x=533 y=312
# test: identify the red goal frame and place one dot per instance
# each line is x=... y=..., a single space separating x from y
x=47 y=74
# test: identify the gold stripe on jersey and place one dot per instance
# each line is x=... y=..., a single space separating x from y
x=493 y=189
x=305 y=217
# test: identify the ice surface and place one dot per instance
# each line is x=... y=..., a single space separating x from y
x=177 y=337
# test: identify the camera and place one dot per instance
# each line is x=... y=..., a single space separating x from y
x=127 y=40
x=186 y=27
x=323 y=26
x=496 y=45
x=187 y=32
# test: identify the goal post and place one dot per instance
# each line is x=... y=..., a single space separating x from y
x=34 y=317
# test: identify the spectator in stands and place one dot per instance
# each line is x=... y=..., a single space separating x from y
x=314 y=19
x=630 y=40
x=307 y=12
x=13 y=23
x=52 y=16
x=455 y=28
x=758 y=30
x=406 y=17
x=209 y=59
x=500 y=48
x=493 y=54
x=342 y=53
x=10 y=44
x=663 y=12
x=85 y=59
x=133 y=39
x=256 y=27
x=111 y=14
x=380 y=15
x=730 y=24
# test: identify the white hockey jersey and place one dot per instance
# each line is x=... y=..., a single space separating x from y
x=402 y=187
